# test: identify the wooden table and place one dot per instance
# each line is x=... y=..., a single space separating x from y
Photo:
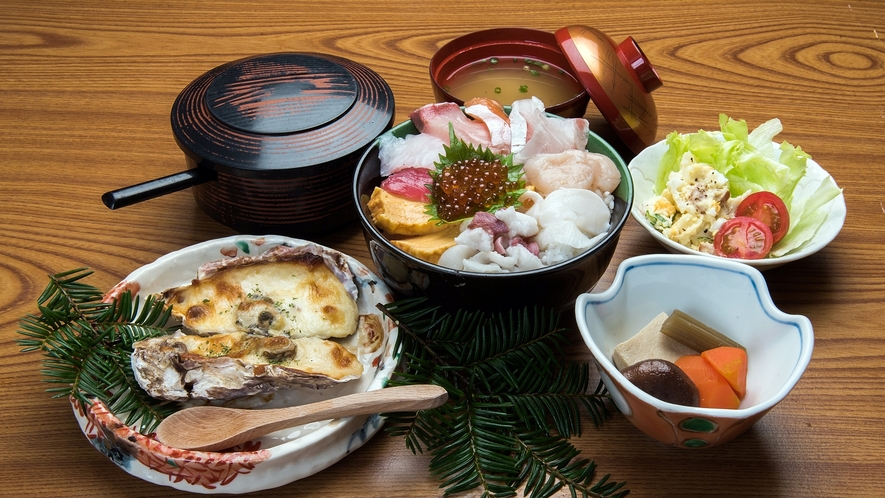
x=85 y=93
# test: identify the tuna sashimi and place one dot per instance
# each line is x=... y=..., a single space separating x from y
x=414 y=151
x=492 y=114
x=434 y=119
x=543 y=134
x=409 y=183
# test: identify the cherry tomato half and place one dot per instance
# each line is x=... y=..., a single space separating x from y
x=744 y=238
x=769 y=209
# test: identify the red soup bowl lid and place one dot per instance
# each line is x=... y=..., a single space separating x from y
x=619 y=80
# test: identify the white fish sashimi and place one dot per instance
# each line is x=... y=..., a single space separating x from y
x=545 y=135
x=519 y=126
x=492 y=114
x=435 y=119
x=413 y=151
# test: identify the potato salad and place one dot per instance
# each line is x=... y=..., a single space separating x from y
x=693 y=205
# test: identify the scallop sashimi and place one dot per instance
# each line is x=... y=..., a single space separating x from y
x=572 y=169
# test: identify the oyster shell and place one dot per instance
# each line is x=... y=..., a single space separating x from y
x=224 y=366
x=303 y=291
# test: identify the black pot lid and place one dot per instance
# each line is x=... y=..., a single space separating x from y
x=279 y=112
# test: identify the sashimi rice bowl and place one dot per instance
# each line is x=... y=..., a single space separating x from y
x=486 y=204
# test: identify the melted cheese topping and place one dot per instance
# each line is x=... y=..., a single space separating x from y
x=307 y=354
x=300 y=298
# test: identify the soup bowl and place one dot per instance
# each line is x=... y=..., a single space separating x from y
x=726 y=295
x=495 y=63
x=554 y=286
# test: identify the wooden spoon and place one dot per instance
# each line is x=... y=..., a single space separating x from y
x=212 y=428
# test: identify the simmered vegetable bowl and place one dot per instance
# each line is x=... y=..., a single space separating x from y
x=715 y=171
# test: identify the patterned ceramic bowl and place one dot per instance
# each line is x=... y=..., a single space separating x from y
x=270 y=461
x=726 y=295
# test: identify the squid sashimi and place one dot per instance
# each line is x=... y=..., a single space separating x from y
x=571 y=221
x=543 y=134
x=434 y=119
x=572 y=169
x=413 y=151
x=492 y=114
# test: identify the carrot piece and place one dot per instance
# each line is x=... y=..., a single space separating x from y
x=732 y=364
x=714 y=390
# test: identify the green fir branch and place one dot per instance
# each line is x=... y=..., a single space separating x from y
x=514 y=401
x=87 y=345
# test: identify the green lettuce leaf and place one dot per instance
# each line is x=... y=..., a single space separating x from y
x=751 y=162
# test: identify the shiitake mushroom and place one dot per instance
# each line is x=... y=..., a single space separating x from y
x=663 y=380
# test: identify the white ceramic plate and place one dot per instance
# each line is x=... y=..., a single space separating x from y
x=644 y=170
x=267 y=462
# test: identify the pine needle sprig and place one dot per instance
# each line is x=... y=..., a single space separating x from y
x=514 y=401
x=87 y=345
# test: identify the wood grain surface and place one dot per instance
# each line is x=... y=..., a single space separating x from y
x=86 y=88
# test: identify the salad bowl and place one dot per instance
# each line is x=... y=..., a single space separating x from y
x=262 y=463
x=644 y=170
x=728 y=296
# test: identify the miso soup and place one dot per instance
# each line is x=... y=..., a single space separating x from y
x=507 y=79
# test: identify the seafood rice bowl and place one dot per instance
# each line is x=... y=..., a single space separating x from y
x=475 y=202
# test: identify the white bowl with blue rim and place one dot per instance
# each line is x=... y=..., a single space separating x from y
x=728 y=296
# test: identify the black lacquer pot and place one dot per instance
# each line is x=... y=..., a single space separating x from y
x=272 y=141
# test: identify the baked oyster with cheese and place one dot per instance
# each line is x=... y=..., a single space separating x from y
x=255 y=324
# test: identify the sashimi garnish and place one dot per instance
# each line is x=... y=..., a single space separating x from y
x=470 y=179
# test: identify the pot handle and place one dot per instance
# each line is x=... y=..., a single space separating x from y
x=157 y=187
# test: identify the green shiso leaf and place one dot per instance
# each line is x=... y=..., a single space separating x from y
x=459 y=150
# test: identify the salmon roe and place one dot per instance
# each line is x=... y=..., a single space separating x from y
x=470 y=185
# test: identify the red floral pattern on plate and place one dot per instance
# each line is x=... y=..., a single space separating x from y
x=200 y=468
